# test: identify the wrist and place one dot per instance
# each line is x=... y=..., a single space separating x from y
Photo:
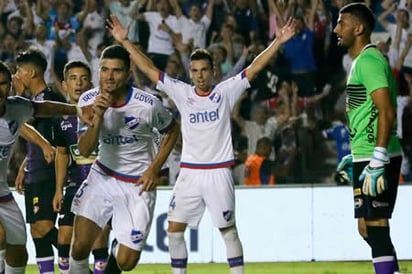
x=379 y=158
x=79 y=111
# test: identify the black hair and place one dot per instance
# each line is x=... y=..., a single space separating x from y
x=34 y=57
x=76 y=64
x=4 y=69
x=201 y=54
x=116 y=52
x=363 y=13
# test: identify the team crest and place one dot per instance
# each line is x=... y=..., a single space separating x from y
x=136 y=236
x=132 y=122
x=227 y=215
x=215 y=97
x=13 y=127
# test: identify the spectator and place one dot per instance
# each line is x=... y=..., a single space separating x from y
x=259 y=169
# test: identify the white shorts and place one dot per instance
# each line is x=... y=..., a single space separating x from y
x=197 y=189
x=102 y=197
x=13 y=222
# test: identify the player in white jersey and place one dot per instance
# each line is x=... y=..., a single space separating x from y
x=205 y=178
x=14 y=112
x=122 y=181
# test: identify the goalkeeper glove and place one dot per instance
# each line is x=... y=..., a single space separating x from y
x=345 y=168
x=373 y=176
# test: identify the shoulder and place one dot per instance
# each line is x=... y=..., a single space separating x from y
x=88 y=97
x=144 y=97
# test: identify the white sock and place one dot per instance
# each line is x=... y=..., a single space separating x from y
x=178 y=252
x=234 y=250
x=2 y=258
x=14 y=270
x=79 y=267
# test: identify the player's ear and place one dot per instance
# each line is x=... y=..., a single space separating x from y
x=360 y=29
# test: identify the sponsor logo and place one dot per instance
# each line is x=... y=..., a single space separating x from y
x=88 y=96
x=204 y=117
x=131 y=122
x=119 y=139
x=227 y=215
x=136 y=236
x=370 y=130
x=357 y=191
x=377 y=204
x=143 y=98
x=358 y=202
x=65 y=125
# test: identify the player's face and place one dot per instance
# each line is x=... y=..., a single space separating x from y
x=4 y=87
x=24 y=73
x=113 y=75
x=201 y=73
x=77 y=81
x=345 y=30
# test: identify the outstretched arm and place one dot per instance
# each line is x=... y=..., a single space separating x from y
x=286 y=33
x=142 y=61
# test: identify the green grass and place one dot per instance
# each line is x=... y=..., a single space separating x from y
x=266 y=268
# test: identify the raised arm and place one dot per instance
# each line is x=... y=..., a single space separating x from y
x=260 y=61
x=142 y=61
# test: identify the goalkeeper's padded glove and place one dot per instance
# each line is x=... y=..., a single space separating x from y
x=373 y=176
x=345 y=168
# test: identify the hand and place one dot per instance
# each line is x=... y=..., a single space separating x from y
x=116 y=29
x=57 y=201
x=345 y=168
x=86 y=114
x=287 y=31
x=148 y=181
x=102 y=102
x=49 y=152
x=374 y=181
x=19 y=182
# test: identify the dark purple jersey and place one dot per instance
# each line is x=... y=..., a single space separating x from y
x=79 y=166
x=37 y=169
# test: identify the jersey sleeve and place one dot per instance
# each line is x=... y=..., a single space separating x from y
x=172 y=87
x=372 y=73
x=162 y=119
x=22 y=106
x=86 y=99
x=234 y=87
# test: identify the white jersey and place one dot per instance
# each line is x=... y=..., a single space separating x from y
x=18 y=111
x=126 y=147
x=206 y=128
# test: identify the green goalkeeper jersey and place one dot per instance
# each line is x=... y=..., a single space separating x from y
x=370 y=71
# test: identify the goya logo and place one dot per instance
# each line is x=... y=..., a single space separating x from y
x=90 y=95
x=143 y=98
x=204 y=117
x=120 y=140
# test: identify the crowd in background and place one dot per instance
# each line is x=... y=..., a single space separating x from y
x=296 y=102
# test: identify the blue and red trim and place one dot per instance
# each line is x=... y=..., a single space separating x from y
x=207 y=166
x=6 y=198
x=117 y=175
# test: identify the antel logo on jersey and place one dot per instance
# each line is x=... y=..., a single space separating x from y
x=119 y=139
x=204 y=117
x=131 y=122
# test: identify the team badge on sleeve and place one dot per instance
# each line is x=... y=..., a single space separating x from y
x=136 y=236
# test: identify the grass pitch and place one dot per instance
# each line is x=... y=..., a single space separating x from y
x=265 y=268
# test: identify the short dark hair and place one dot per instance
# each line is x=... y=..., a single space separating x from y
x=4 y=69
x=116 y=52
x=201 y=54
x=363 y=13
x=34 y=57
x=76 y=64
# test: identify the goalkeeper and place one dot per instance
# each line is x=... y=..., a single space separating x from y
x=376 y=152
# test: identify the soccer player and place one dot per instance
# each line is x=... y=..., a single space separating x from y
x=14 y=112
x=376 y=152
x=122 y=181
x=39 y=175
x=205 y=178
x=72 y=169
